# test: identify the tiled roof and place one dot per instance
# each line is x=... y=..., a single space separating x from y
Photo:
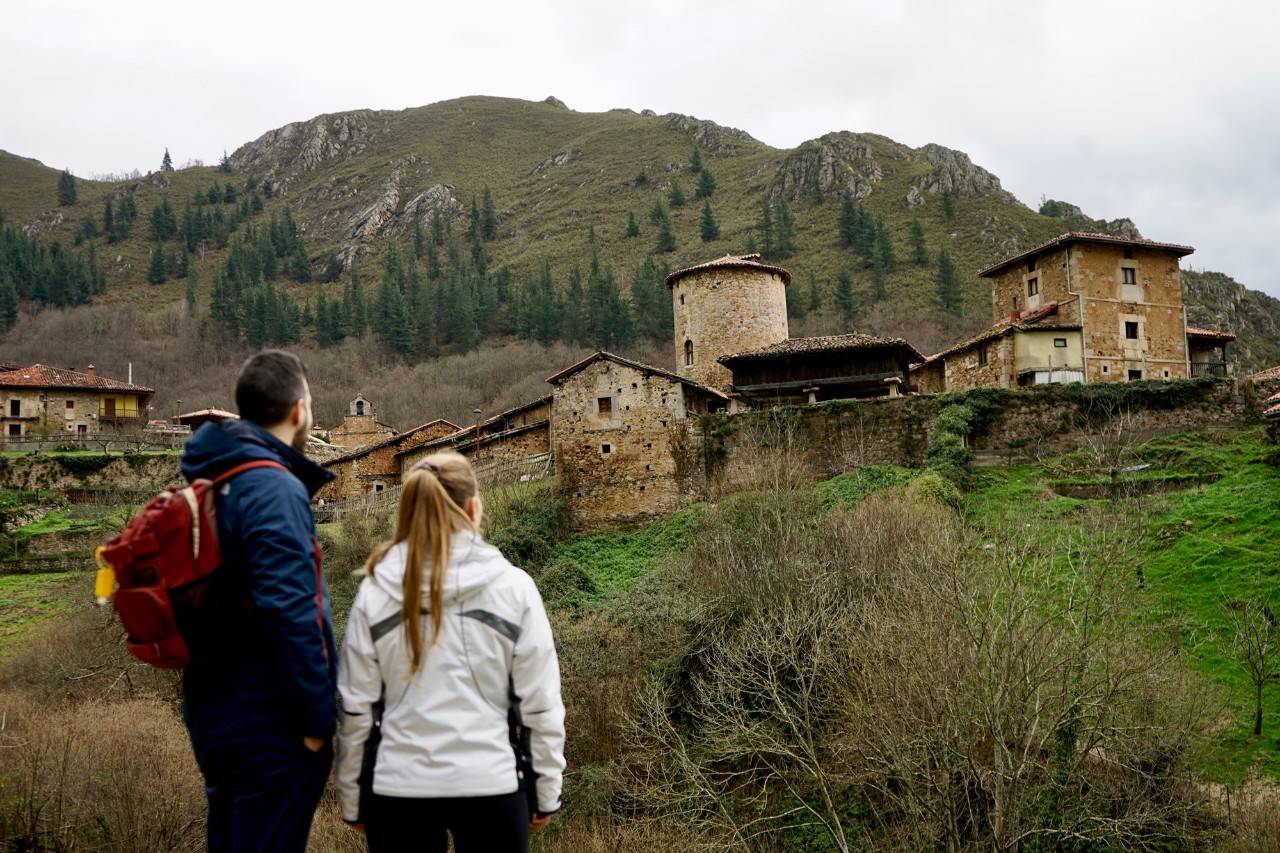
x=44 y=376
x=1268 y=375
x=221 y=414
x=1212 y=334
x=388 y=442
x=1272 y=412
x=1037 y=319
x=1084 y=237
x=749 y=262
x=471 y=428
x=645 y=368
x=823 y=344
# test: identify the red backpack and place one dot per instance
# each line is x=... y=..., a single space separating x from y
x=160 y=564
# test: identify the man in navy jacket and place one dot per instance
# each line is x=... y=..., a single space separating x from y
x=258 y=697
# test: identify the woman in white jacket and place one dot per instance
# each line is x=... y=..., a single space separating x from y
x=451 y=720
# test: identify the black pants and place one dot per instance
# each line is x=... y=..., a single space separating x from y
x=262 y=797
x=491 y=824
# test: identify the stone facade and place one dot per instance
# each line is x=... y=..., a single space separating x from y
x=724 y=307
x=360 y=427
x=377 y=467
x=623 y=439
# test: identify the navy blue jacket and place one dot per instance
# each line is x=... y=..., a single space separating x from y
x=264 y=657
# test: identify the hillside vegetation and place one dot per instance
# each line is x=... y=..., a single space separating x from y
x=555 y=180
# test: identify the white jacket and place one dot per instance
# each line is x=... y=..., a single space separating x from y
x=445 y=732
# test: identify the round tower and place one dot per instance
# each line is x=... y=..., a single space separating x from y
x=724 y=306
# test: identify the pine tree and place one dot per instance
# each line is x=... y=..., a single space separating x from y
x=575 y=318
x=695 y=161
x=948 y=205
x=797 y=304
x=915 y=234
x=332 y=267
x=676 y=197
x=394 y=327
x=156 y=272
x=948 y=285
x=706 y=183
x=750 y=248
x=183 y=265
x=474 y=225
x=709 y=228
x=784 y=234
x=66 y=189
x=437 y=227
x=166 y=165
x=357 y=308
x=109 y=221
x=8 y=304
x=300 y=267
x=815 y=298
x=666 y=238
x=488 y=216
x=642 y=178
x=659 y=213
x=848 y=227
x=193 y=285
x=633 y=227
x=419 y=240
x=845 y=298
x=764 y=227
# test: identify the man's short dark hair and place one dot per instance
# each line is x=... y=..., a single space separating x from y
x=269 y=384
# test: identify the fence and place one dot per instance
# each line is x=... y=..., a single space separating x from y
x=102 y=442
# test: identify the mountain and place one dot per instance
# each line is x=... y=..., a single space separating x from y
x=357 y=181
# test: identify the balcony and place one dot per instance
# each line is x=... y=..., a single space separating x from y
x=1209 y=368
x=122 y=420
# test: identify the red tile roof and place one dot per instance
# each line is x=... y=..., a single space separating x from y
x=644 y=368
x=396 y=439
x=1037 y=319
x=749 y=262
x=822 y=344
x=44 y=376
x=1268 y=375
x=1083 y=237
x=219 y=414
x=1210 y=334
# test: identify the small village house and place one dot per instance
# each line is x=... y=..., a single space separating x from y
x=360 y=426
x=45 y=401
x=811 y=370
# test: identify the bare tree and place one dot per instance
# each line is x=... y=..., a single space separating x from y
x=1255 y=639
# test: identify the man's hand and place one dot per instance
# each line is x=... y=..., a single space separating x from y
x=538 y=821
x=315 y=744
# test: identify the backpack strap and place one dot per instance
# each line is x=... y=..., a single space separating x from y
x=245 y=466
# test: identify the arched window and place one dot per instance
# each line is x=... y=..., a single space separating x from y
x=359 y=407
x=688 y=353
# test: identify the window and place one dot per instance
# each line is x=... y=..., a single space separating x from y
x=15 y=430
x=606 y=449
x=15 y=408
x=688 y=353
x=82 y=429
x=1031 y=265
x=642 y=488
x=682 y=299
x=1106 y=369
x=1060 y=343
x=1130 y=275
x=1131 y=330
x=377 y=487
x=71 y=404
x=1033 y=286
x=1135 y=375
x=1166 y=374
x=359 y=407
x=604 y=407
x=982 y=354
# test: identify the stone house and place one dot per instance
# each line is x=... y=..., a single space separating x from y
x=1082 y=307
x=624 y=437
x=810 y=370
x=376 y=467
x=48 y=401
x=512 y=436
x=360 y=427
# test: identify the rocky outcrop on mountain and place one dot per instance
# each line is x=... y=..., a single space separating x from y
x=559 y=158
x=305 y=145
x=1076 y=220
x=1217 y=301
x=955 y=173
x=386 y=216
x=555 y=102
x=835 y=164
x=711 y=137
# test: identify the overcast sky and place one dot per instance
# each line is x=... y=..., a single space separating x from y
x=1166 y=112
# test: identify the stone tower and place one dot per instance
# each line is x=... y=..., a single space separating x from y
x=724 y=306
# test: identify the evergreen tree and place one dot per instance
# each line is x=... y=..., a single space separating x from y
x=166 y=165
x=109 y=221
x=666 y=238
x=300 y=268
x=183 y=265
x=433 y=261
x=332 y=267
x=229 y=192
x=633 y=227
x=751 y=245
x=815 y=298
x=848 y=227
x=357 y=309
x=764 y=227
x=156 y=272
x=709 y=228
x=948 y=205
x=395 y=326
x=437 y=227
x=815 y=188
x=8 y=304
x=915 y=234
x=214 y=196
x=474 y=226
x=66 y=189
x=845 y=299
x=488 y=216
x=797 y=304
x=193 y=285
x=706 y=183
x=575 y=319
x=784 y=234
x=950 y=300
x=659 y=213
x=642 y=178
x=419 y=240
x=676 y=197
x=695 y=161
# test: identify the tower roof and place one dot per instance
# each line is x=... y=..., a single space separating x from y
x=1083 y=237
x=749 y=262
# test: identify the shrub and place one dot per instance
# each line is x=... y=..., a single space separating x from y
x=949 y=456
x=528 y=528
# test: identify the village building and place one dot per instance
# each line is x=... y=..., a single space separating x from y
x=45 y=401
x=511 y=437
x=360 y=426
x=194 y=420
x=811 y=370
x=1082 y=307
x=623 y=437
x=376 y=467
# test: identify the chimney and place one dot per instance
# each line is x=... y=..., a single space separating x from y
x=92 y=373
x=1014 y=315
x=131 y=373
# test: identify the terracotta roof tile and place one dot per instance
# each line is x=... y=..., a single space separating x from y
x=1037 y=319
x=645 y=368
x=825 y=343
x=1268 y=375
x=44 y=376
x=1083 y=237
x=750 y=262
x=1212 y=334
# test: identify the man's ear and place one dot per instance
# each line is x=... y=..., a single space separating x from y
x=298 y=414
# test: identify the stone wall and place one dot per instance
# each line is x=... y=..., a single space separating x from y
x=968 y=369
x=135 y=474
x=723 y=311
x=514 y=445
x=361 y=472
x=358 y=431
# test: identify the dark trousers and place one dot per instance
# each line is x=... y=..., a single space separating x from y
x=491 y=824
x=262 y=797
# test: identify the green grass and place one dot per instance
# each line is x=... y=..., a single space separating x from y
x=27 y=600
x=1208 y=544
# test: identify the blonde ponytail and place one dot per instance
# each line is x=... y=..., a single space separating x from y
x=432 y=508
